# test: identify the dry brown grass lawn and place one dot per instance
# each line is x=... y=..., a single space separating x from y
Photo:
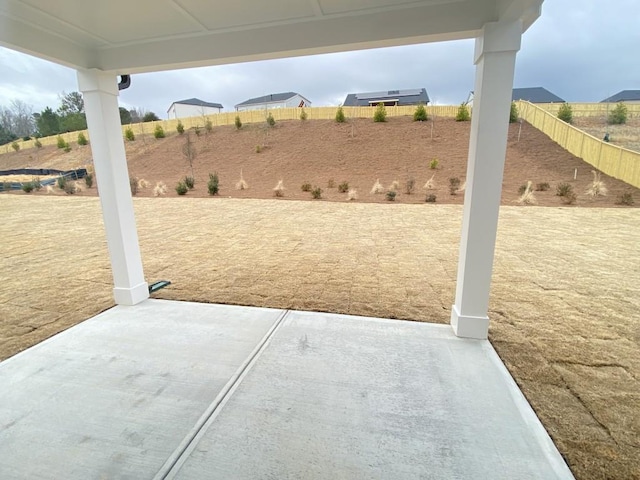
x=564 y=306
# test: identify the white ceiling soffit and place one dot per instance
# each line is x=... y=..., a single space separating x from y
x=132 y=36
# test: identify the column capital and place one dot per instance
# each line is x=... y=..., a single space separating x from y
x=498 y=37
x=95 y=80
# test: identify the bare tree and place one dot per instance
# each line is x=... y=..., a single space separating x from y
x=17 y=118
x=23 y=121
x=189 y=151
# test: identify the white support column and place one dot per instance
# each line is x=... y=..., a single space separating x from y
x=495 y=56
x=100 y=92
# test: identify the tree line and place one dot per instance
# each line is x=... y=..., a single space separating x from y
x=18 y=120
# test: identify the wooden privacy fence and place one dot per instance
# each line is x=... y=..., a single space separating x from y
x=591 y=109
x=615 y=161
x=249 y=116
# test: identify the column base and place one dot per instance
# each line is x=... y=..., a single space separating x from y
x=131 y=296
x=469 y=327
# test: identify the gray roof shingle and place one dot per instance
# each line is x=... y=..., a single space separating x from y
x=404 y=97
x=272 y=97
x=199 y=103
x=623 y=96
x=535 y=95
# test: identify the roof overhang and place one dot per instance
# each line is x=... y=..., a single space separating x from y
x=125 y=37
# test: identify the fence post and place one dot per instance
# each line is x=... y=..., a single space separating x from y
x=619 y=163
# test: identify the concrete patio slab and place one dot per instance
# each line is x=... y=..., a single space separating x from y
x=190 y=391
x=113 y=397
x=339 y=397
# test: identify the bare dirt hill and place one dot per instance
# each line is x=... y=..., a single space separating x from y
x=325 y=153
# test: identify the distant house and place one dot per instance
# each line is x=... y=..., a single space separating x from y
x=274 y=100
x=627 y=96
x=389 y=98
x=535 y=95
x=192 y=107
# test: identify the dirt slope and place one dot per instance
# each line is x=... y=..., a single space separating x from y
x=359 y=152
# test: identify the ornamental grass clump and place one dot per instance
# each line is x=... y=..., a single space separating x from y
x=241 y=184
x=597 y=187
x=527 y=197
x=377 y=187
x=278 y=191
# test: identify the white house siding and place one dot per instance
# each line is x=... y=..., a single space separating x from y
x=179 y=110
x=295 y=101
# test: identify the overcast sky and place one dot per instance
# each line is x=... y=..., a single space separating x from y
x=581 y=50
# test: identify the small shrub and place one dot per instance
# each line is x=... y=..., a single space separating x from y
x=129 y=135
x=410 y=185
x=133 y=185
x=391 y=196
x=331 y=183
x=625 y=199
x=454 y=183
x=527 y=197
x=306 y=187
x=563 y=189
x=27 y=187
x=38 y=143
x=197 y=131
x=340 y=118
x=343 y=187
x=565 y=113
x=303 y=115
x=258 y=148
x=513 y=113
x=61 y=182
x=434 y=164
x=189 y=182
x=431 y=198
x=522 y=189
x=213 y=185
x=352 y=194
x=60 y=142
x=619 y=114
x=26 y=138
x=463 y=114
x=238 y=122
x=35 y=181
x=158 y=132
x=159 y=189
x=180 y=128
x=570 y=198
x=380 y=115
x=6 y=186
x=270 y=120
x=278 y=191
x=82 y=140
x=142 y=183
x=88 y=179
x=597 y=187
x=208 y=127
x=316 y=193
x=377 y=187
x=542 y=187
x=431 y=184
x=181 y=188
x=15 y=146
x=67 y=149
x=420 y=115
